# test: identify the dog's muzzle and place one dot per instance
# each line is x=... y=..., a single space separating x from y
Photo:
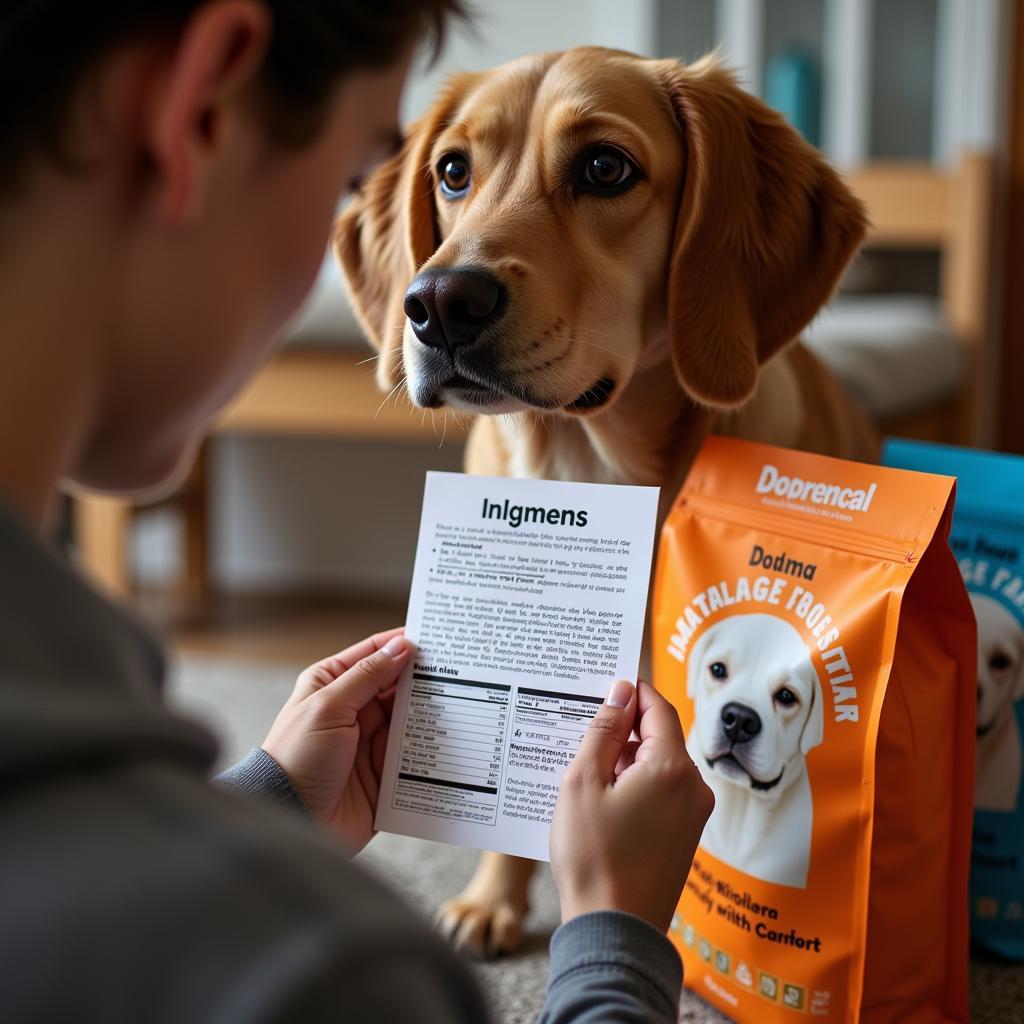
x=740 y=724
x=734 y=769
x=450 y=310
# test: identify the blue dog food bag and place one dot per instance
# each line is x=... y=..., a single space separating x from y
x=988 y=540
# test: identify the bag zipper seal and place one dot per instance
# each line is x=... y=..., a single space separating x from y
x=835 y=537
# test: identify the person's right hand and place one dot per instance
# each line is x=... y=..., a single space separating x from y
x=330 y=737
x=630 y=812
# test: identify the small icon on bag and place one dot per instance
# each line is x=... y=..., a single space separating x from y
x=722 y=962
x=987 y=907
x=820 y=1003
x=793 y=996
x=689 y=935
x=677 y=924
x=767 y=985
x=743 y=975
x=704 y=948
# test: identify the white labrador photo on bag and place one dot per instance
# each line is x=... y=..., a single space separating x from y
x=1000 y=685
x=757 y=713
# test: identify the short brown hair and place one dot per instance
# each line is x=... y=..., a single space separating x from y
x=47 y=45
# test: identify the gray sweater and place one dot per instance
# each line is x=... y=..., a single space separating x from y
x=132 y=890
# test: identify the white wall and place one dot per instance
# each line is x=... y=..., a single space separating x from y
x=503 y=30
x=294 y=514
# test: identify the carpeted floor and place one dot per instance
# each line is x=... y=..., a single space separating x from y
x=239 y=700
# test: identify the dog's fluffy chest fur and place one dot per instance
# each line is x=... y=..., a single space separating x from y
x=999 y=765
x=650 y=437
x=642 y=440
x=758 y=834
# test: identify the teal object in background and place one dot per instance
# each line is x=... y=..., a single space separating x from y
x=987 y=538
x=792 y=85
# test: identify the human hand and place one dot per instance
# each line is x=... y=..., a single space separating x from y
x=630 y=812
x=331 y=735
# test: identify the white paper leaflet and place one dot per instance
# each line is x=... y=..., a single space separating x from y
x=528 y=600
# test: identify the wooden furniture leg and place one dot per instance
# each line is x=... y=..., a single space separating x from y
x=194 y=508
x=101 y=535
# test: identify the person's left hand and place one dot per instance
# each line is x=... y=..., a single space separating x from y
x=331 y=734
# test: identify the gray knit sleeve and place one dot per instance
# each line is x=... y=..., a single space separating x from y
x=612 y=968
x=259 y=775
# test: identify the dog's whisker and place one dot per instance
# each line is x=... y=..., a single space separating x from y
x=597 y=348
x=593 y=344
x=533 y=427
x=387 y=397
x=584 y=329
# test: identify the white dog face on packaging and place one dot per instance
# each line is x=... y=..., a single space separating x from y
x=1000 y=661
x=758 y=703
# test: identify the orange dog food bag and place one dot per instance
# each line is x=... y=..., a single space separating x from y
x=812 y=628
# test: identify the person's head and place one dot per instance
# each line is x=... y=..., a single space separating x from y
x=185 y=158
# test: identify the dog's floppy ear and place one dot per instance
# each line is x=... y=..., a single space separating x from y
x=814 y=728
x=388 y=231
x=1018 y=691
x=764 y=230
x=694 y=660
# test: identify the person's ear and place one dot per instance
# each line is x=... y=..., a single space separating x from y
x=389 y=230
x=764 y=230
x=217 y=56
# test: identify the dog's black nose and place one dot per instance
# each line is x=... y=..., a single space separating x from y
x=740 y=723
x=449 y=307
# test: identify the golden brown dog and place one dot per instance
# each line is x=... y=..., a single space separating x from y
x=616 y=254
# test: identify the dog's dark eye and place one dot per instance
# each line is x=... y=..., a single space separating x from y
x=453 y=171
x=999 y=661
x=718 y=670
x=786 y=697
x=606 y=170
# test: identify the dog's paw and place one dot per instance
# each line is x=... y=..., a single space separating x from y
x=481 y=928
